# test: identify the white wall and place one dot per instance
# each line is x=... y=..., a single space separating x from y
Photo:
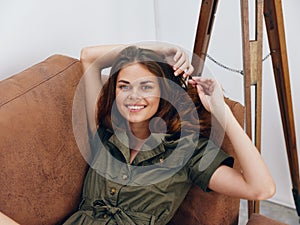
x=32 y=30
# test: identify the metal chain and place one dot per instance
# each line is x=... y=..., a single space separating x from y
x=224 y=66
x=232 y=69
x=267 y=56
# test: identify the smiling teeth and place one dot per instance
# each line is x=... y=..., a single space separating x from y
x=134 y=107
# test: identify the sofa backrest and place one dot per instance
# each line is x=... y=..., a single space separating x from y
x=41 y=168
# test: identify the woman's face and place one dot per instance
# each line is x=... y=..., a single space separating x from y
x=137 y=93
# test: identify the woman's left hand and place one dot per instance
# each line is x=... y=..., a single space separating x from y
x=210 y=93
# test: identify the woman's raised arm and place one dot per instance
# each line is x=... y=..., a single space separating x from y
x=94 y=59
x=254 y=181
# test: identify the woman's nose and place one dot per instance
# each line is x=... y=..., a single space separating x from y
x=134 y=94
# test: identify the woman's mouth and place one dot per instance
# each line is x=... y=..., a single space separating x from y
x=135 y=107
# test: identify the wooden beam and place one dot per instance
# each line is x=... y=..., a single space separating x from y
x=256 y=69
x=276 y=37
x=252 y=66
x=204 y=28
x=246 y=65
x=247 y=77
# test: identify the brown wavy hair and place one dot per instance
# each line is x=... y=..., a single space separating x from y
x=174 y=107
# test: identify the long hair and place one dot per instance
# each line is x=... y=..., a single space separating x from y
x=174 y=95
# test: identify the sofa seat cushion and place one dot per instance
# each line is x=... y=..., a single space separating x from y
x=258 y=219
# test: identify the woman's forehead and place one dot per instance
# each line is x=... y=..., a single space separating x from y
x=136 y=73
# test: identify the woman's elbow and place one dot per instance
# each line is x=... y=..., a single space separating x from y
x=84 y=54
x=86 y=58
x=264 y=192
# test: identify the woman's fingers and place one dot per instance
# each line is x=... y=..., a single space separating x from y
x=177 y=54
x=182 y=63
x=189 y=71
x=210 y=93
x=207 y=84
x=179 y=59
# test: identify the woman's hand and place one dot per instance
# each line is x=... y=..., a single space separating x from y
x=182 y=63
x=176 y=57
x=210 y=93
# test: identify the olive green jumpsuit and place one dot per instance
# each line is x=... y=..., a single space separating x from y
x=150 y=189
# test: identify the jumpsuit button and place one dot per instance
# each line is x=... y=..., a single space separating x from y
x=104 y=216
x=113 y=191
x=124 y=177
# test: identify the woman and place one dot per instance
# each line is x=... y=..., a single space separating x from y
x=149 y=146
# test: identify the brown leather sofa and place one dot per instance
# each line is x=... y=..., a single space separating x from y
x=42 y=169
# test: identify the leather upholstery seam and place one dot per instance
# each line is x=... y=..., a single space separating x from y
x=39 y=83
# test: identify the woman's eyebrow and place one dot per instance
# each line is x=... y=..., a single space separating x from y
x=142 y=82
x=147 y=81
x=124 y=81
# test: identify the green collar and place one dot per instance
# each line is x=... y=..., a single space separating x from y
x=153 y=146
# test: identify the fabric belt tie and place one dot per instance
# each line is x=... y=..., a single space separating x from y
x=100 y=209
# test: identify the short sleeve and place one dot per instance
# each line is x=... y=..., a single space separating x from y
x=204 y=162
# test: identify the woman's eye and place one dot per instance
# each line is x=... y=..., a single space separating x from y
x=124 y=87
x=147 y=87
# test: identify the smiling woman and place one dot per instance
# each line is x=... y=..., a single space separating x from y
x=148 y=146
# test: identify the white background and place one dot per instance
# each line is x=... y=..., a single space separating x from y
x=32 y=30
